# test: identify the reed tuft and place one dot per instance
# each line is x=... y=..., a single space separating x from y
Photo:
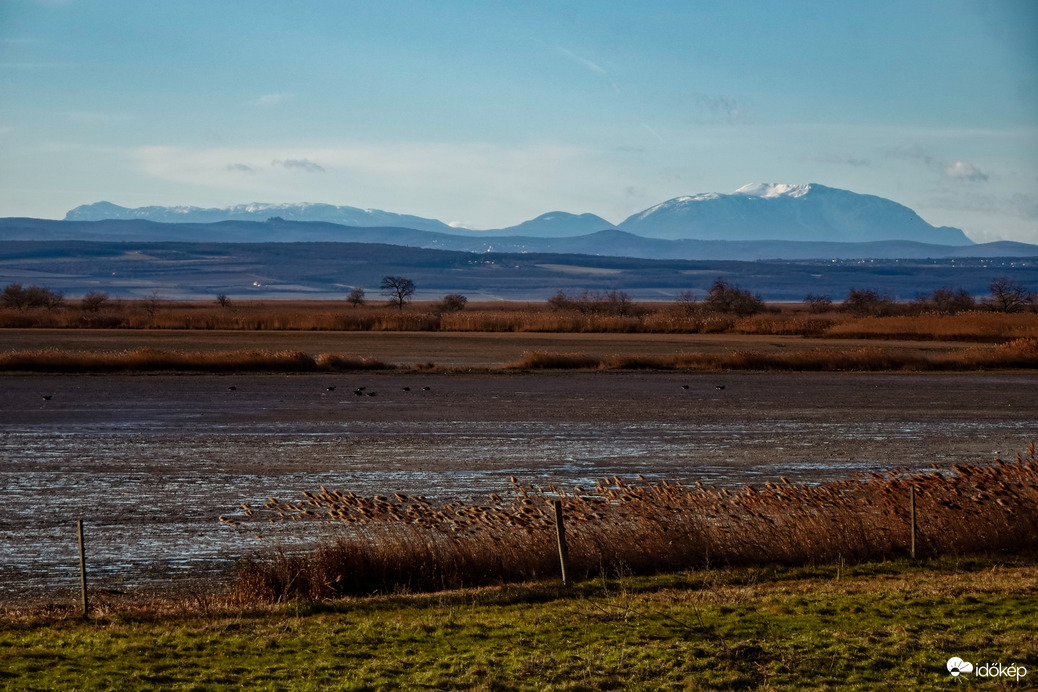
x=400 y=542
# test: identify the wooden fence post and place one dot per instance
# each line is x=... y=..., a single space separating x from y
x=913 y=522
x=82 y=570
x=560 y=530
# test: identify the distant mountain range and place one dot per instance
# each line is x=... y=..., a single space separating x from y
x=609 y=243
x=345 y=216
x=771 y=212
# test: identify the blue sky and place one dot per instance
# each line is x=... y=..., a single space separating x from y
x=486 y=114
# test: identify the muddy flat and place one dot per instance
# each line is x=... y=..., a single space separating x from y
x=151 y=462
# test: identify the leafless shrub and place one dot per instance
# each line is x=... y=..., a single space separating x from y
x=867 y=303
x=945 y=301
x=15 y=296
x=453 y=302
x=817 y=304
x=93 y=301
x=724 y=297
x=356 y=297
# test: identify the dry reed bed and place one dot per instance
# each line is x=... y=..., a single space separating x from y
x=409 y=543
x=1019 y=353
x=980 y=325
x=969 y=326
x=154 y=360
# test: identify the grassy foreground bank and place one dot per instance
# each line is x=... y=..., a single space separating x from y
x=887 y=625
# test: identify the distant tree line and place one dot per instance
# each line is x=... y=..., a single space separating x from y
x=15 y=296
x=1006 y=296
x=723 y=297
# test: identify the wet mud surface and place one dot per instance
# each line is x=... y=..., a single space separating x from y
x=151 y=462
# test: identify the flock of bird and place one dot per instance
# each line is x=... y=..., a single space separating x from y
x=359 y=391
x=363 y=391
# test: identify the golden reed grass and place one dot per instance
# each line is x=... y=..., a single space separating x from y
x=971 y=326
x=154 y=360
x=979 y=325
x=400 y=542
x=1016 y=354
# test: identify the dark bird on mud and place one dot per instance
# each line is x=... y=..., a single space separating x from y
x=47 y=397
x=331 y=389
x=426 y=389
x=720 y=386
x=233 y=388
x=358 y=392
x=684 y=386
x=372 y=393
x=407 y=389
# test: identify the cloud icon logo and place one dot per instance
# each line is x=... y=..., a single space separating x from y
x=956 y=666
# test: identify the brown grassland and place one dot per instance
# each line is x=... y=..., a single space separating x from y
x=302 y=336
x=523 y=317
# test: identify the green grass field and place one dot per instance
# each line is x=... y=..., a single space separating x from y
x=871 y=626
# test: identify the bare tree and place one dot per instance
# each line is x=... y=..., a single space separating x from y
x=356 y=296
x=818 y=304
x=729 y=298
x=686 y=301
x=947 y=301
x=862 y=302
x=1009 y=296
x=40 y=297
x=152 y=303
x=14 y=296
x=453 y=302
x=93 y=301
x=223 y=301
x=398 y=289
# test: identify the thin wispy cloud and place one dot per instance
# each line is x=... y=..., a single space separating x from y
x=844 y=160
x=962 y=170
x=589 y=65
x=718 y=109
x=580 y=60
x=96 y=118
x=952 y=170
x=240 y=168
x=300 y=164
x=652 y=131
x=270 y=100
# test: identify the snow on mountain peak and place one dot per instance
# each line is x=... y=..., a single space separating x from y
x=773 y=190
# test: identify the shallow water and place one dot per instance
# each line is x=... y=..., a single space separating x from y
x=150 y=463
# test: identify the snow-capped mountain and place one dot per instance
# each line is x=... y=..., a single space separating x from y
x=809 y=212
x=346 y=216
x=754 y=212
